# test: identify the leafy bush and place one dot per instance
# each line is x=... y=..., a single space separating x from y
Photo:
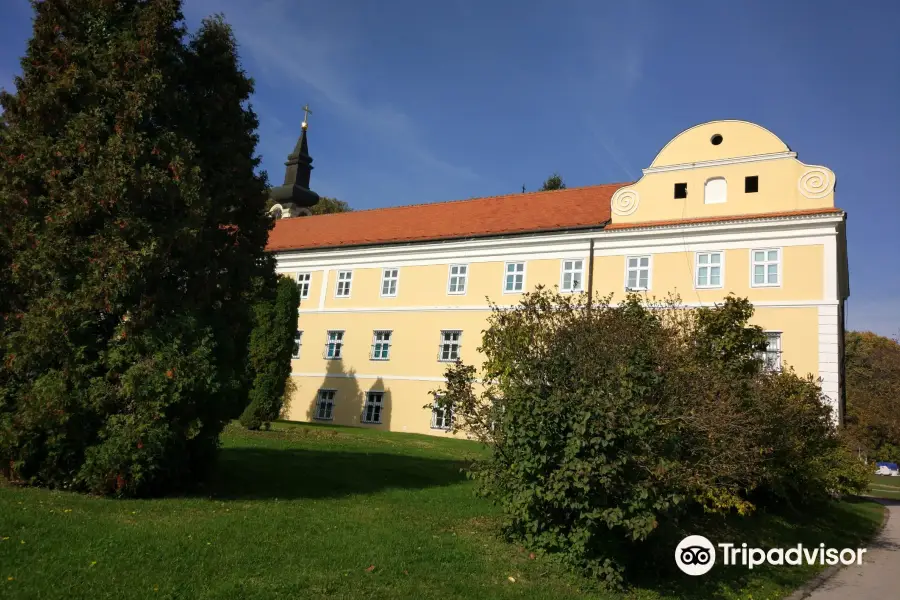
x=133 y=232
x=607 y=422
x=271 y=346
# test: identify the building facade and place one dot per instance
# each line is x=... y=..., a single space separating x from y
x=390 y=296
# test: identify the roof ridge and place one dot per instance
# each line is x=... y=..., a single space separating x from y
x=442 y=202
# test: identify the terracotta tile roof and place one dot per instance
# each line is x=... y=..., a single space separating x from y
x=747 y=217
x=497 y=215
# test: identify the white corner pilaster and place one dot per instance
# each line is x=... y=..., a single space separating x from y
x=829 y=357
x=324 y=288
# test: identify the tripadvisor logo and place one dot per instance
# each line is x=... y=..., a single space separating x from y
x=696 y=555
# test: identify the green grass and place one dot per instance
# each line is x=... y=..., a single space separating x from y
x=305 y=512
x=884 y=486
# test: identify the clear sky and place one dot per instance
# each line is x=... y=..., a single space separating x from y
x=424 y=101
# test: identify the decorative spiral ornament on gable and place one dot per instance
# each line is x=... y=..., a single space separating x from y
x=816 y=183
x=625 y=202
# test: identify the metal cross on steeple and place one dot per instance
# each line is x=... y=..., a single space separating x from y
x=306 y=113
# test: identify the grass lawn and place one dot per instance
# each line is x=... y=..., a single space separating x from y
x=885 y=486
x=309 y=511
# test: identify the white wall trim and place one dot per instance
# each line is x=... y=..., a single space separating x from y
x=365 y=376
x=830 y=269
x=555 y=245
x=720 y=162
x=485 y=307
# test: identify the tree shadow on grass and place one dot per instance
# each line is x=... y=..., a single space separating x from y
x=265 y=473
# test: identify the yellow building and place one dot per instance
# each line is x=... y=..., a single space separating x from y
x=389 y=296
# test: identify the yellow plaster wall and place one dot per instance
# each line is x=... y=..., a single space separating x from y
x=414 y=354
x=739 y=138
x=799 y=329
x=780 y=180
x=402 y=410
x=426 y=285
x=415 y=341
x=801 y=275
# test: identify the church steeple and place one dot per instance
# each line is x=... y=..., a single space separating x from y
x=294 y=195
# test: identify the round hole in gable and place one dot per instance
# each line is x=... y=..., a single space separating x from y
x=716 y=139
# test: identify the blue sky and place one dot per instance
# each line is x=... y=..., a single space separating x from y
x=425 y=101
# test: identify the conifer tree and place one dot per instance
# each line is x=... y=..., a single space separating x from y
x=271 y=347
x=131 y=244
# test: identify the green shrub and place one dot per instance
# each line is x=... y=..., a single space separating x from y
x=607 y=422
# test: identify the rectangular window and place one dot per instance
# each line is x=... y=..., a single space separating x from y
x=381 y=345
x=449 y=350
x=765 y=267
x=572 y=275
x=325 y=405
x=680 y=190
x=372 y=409
x=344 y=279
x=514 y=280
x=389 y=282
x=456 y=282
x=771 y=356
x=637 y=273
x=303 y=284
x=441 y=416
x=751 y=184
x=709 y=270
x=334 y=344
x=298 y=341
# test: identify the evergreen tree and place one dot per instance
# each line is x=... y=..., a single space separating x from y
x=132 y=242
x=554 y=182
x=271 y=347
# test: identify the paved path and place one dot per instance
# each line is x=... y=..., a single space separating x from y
x=878 y=578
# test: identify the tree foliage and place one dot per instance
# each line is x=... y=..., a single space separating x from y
x=132 y=241
x=554 y=182
x=609 y=423
x=328 y=206
x=271 y=346
x=872 y=364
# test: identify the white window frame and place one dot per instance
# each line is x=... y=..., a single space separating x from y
x=698 y=266
x=387 y=277
x=446 y=416
x=458 y=345
x=764 y=355
x=563 y=271
x=639 y=268
x=345 y=276
x=339 y=344
x=370 y=402
x=384 y=342
x=506 y=273
x=298 y=343
x=304 y=280
x=706 y=196
x=464 y=277
x=320 y=401
x=766 y=264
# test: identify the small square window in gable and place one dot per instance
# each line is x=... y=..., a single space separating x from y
x=680 y=190
x=751 y=184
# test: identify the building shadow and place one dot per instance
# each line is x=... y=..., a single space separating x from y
x=350 y=397
x=254 y=473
